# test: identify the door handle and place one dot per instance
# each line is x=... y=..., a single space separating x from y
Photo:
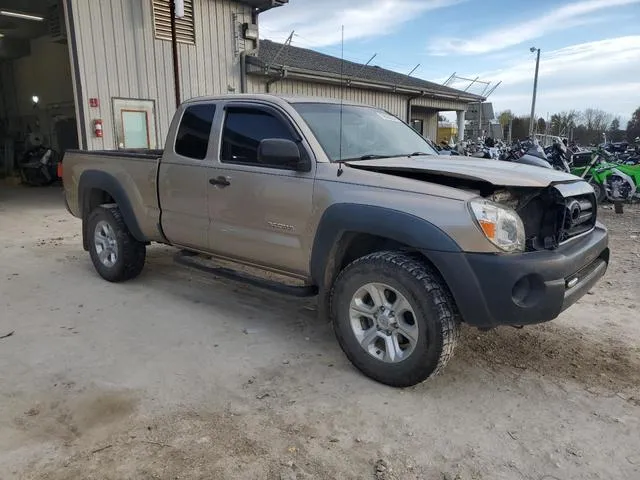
x=220 y=181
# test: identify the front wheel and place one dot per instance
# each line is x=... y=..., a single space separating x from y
x=116 y=255
x=599 y=190
x=394 y=318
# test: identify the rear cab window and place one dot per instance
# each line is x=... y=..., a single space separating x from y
x=192 y=139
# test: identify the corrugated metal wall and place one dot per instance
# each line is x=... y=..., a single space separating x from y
x=441 y=104
x=394 y=103
x=118 y=56
x=430 y=119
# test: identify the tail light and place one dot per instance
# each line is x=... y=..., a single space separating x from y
x=59 y=170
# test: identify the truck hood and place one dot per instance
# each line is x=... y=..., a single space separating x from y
x=495 y=172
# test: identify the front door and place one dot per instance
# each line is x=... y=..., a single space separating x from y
x=259 y=213
x=183 y=179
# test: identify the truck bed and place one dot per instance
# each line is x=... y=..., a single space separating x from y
x=131 y=172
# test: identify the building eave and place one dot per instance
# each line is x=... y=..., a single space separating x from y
x=275 y=72
x=264 y=5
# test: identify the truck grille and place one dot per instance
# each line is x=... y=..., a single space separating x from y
x=578 y=216
x=558 y=214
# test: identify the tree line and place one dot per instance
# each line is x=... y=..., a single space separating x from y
x=585 y=128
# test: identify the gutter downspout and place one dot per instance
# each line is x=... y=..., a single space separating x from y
x=271 y=81
x=243 y=67
x=243 y=71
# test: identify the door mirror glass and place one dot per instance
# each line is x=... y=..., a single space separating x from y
x=278 y=152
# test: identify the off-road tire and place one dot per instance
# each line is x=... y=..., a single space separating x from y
x=426 y=291
x=131 y=252
x=599 y=190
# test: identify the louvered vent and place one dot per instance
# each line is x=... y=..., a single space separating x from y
x=185 y=32
x=55 y=21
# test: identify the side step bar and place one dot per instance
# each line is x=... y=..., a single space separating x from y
x=189 y=259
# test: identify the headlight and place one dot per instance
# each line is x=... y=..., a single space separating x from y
x=501 y=225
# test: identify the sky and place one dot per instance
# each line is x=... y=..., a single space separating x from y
x=590 y=49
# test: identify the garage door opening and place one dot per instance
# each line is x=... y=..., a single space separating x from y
x=37 y=108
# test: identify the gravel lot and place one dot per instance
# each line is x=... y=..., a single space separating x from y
x=179 y=375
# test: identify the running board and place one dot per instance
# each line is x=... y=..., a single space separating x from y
x=190 y=259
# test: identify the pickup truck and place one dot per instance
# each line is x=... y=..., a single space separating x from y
x=399 y=244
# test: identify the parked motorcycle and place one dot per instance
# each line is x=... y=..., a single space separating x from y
x=39 y=166
x=559 y=157
x=610 y=181
x=527 y=153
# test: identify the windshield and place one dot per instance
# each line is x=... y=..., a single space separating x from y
x=366 y=132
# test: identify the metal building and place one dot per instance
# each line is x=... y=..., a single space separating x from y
x=285 y=69
x=98 y=74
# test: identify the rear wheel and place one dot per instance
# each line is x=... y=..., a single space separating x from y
x=116 y=255
x=394 y=318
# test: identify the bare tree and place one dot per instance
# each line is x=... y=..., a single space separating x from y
x=563 y=122
x=596 y=120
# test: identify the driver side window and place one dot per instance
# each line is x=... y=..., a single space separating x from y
x=244 y=129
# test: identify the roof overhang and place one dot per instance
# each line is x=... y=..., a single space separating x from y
x=276 y=72
x=264 y=5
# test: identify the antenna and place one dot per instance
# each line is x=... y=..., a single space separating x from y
x=341 y=100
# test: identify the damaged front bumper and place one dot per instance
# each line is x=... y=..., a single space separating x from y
x=522 y=289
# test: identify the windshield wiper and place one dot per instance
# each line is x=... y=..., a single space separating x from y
x=417 y=154
x=368 y=157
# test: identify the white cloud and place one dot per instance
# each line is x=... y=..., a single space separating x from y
x=609 y=58
x=318 y=23
x=562 y=18
x=602 y=74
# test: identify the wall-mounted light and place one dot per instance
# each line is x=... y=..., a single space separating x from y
x=35 y=99
x=24 y=16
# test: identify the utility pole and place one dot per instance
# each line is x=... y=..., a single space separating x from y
x=176 y=9
x=532 y=122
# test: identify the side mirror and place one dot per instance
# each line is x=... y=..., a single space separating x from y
x=282 y=153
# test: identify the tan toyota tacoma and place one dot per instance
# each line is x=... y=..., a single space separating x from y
x=399 y=244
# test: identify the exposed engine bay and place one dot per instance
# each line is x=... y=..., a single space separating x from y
x=551 y=215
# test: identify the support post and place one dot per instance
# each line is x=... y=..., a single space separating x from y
x=532 y=123
x=460 y=118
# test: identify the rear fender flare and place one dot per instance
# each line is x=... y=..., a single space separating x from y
x=95 y=179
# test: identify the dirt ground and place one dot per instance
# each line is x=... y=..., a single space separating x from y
x=177 y=375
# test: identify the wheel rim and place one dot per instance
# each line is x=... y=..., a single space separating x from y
x=383 y=322
x=106 y=244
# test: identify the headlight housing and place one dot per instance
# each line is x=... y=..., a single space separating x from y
x=501 y=225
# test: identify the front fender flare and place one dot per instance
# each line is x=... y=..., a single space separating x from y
x=380 y=221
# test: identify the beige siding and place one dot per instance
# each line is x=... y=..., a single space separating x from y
x=118 y=56
x=394 y=103
x=430 y=120
x=440 y=104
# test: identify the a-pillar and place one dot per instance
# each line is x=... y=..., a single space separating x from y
x=460 y=114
